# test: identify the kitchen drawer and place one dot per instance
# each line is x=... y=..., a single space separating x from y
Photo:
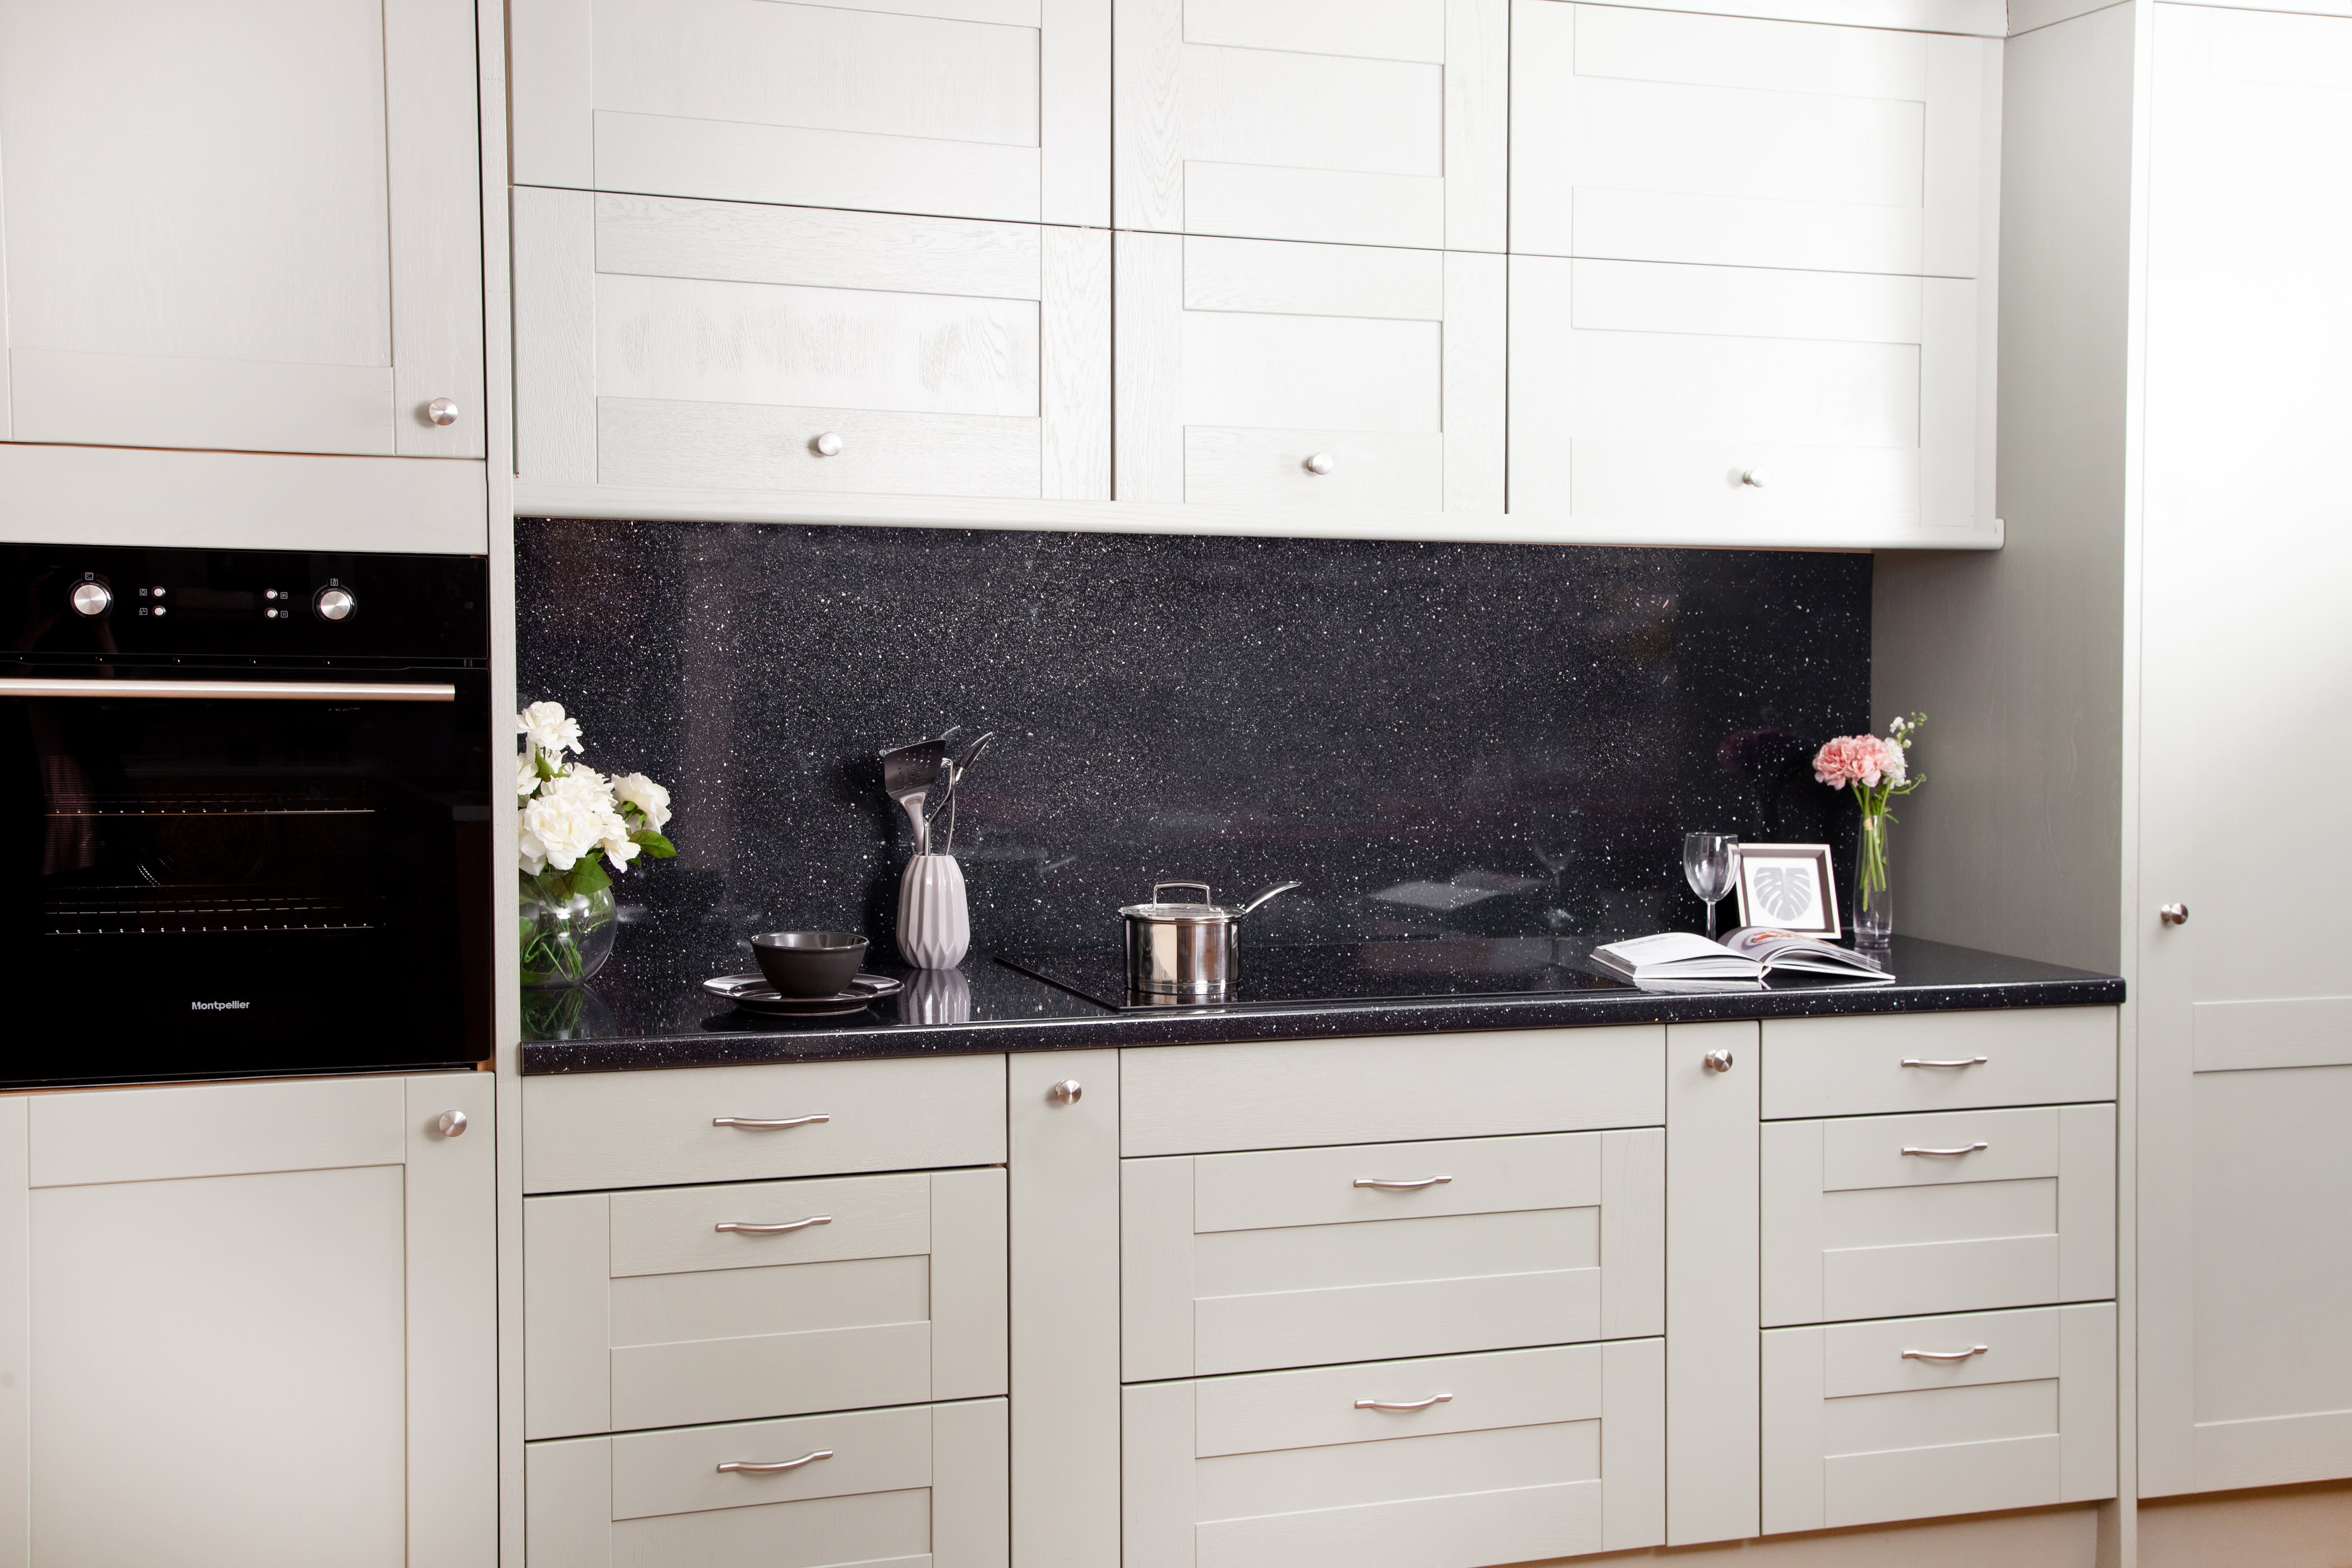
x=1199 y=1099
x=1938 y=1061
x=1238 y=1262
x=1856 y=1225
x=1523 y=1455
x=1857 y=1429
x=926 y=1484
x=638 y=1311
x=585 y=1130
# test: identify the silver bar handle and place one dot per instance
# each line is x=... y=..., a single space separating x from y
x=230 y=690
x=757 y=1122
x=1946 y=1355
x=1388 y=1186
x=745 y=1467
x=1403 y=1404
x=1947 y=1153
x=774 y=1229
x=1962 y=1062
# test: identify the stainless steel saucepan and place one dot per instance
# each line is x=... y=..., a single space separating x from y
x=1190 y=950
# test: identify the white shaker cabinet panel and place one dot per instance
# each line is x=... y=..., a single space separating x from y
x=1319 y=377
x=987 y=108
x=1658 y=135
x=1371 y=123
x=1924 y=1417
x=709 y=344
x=1449 y=1462
x=1747 y=405
x=248 y=227
x=1291 y=1257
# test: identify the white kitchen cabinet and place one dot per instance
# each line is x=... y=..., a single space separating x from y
x=1658 y=135
x=251 y=226
x=661 y=342
x=1310 y=377
x=1318 y=120
x=984 y=108
x=1741 y=404
x=1450 y=1462
x=1924 y=1417
x=275 y=1303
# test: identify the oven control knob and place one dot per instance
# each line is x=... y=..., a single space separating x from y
x=92 y=599
x=335 y=603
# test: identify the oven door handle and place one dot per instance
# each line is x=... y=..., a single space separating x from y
x=232 y=691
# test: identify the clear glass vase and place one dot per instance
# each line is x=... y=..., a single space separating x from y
x=1873 y=909
x=567 y=930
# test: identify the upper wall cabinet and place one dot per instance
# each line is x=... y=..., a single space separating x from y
x=1366 y=121
x=1661 y=136
x=698 y=344
x=1318 y=377
x=984 y=108
x=251 y=225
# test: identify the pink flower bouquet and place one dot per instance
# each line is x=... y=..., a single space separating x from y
x=1879 y=770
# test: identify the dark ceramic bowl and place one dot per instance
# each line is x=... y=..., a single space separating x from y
x=809 y=962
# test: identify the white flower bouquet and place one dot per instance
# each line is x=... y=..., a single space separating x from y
x=572 y=823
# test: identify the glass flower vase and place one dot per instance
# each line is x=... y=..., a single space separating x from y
x=1873 y=909
x=567 y=929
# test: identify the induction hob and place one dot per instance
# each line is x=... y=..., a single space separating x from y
x=1381 y=970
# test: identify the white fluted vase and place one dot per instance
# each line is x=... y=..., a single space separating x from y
x=934 y=921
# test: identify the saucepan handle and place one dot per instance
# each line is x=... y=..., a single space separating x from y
x=1270 y=892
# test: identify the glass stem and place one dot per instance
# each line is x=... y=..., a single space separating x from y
x=1710 y=920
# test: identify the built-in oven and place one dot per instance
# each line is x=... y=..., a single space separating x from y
x=245 y=814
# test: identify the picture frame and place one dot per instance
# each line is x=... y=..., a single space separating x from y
x=1789 y=887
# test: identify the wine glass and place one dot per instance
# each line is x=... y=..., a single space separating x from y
x=1707 y=866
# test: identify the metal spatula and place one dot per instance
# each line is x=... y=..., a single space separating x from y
x=956 y=766
x=909 y=773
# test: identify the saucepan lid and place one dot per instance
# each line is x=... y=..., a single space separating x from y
x=1206 y=911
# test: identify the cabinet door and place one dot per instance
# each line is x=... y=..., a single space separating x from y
x=663 y=342
x=1449 y=1462
x=278 y=1300
x=251 y=226
x=1234 y=1262
x=1310 y=377
x=990 y=108
x=1337 y=119
x=1655 y=135
x=1924 y=1417
x=1742 y=405
x=2245 y=1010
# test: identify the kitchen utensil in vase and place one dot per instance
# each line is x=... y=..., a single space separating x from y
x=934 y=914
x=1190 y=950
x=909 y=775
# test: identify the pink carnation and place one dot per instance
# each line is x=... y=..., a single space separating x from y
x=1858 y=759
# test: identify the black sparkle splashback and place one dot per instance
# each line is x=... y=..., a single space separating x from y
x=1492 y=740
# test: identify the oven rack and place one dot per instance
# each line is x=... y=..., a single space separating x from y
x=156 y=911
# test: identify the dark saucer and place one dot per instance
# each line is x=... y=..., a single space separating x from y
x=754 y=994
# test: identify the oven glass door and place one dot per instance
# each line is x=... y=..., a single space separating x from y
x=202 y=886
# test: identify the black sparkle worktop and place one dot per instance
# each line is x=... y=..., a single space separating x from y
x=648 y=1010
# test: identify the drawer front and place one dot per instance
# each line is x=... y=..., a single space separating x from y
x=1928 y=1062
x=926 y=1484
x=1200 y=1099
x=1857 y=1431
x=1659 y=136
x=589 y=1130
x=639 y=1311
x=1237 y=1262
x=1510 y=1457
x=1239 y=361
x=1881 y=1216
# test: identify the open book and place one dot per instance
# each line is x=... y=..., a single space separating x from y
x=1742 y=959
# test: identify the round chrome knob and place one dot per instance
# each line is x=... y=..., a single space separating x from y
x=452 y=1124
x=1321 y=463
x=827 y=445
x=1066 y=1092
x=335 y=603
x=1719 y=1061
x=2173 y=914
x=1754 y=478
x=92 y=599
x=441 y=411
